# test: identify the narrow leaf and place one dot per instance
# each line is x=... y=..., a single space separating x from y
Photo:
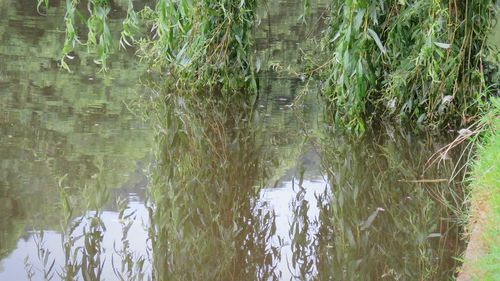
x=375 y=37
x=442 y=45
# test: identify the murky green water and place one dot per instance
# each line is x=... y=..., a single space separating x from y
x=234 y=193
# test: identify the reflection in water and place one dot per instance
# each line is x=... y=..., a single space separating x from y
x=235 y=192
x=205 y=220
x=384 y=218
x=55 y=125
x=296 y=208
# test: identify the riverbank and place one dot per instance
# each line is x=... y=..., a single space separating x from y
x=482 y=257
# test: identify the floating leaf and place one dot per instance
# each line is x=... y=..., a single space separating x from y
x=434 y=235
x=370 y=219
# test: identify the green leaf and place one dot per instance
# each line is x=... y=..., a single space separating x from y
x=359 y=18
x=442 y=45
x=375 y=37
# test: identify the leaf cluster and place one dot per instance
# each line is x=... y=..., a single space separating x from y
x=419 y=60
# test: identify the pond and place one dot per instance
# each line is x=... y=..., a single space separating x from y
x=91 y=191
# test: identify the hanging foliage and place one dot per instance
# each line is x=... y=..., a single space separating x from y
x=196 y=44
x=419 y=60
x=205 y=43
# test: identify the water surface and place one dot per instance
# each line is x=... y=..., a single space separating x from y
x=217 y=192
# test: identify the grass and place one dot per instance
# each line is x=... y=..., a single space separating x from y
x=485 y=198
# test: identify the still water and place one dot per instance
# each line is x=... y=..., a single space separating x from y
x=90 y=191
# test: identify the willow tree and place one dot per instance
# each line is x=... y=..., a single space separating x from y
x=427 y=61
x=196 y=44
x=419 y=60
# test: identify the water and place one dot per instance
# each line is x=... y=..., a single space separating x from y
x=217 y=192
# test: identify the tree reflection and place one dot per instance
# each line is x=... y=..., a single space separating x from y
x=383 y=218
x=205 y=217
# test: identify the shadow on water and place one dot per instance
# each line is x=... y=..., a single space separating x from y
x=235 y=192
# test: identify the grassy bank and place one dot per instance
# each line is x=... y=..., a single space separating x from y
x=482 y=258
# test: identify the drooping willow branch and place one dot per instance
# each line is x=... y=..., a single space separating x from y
x=200 y=43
